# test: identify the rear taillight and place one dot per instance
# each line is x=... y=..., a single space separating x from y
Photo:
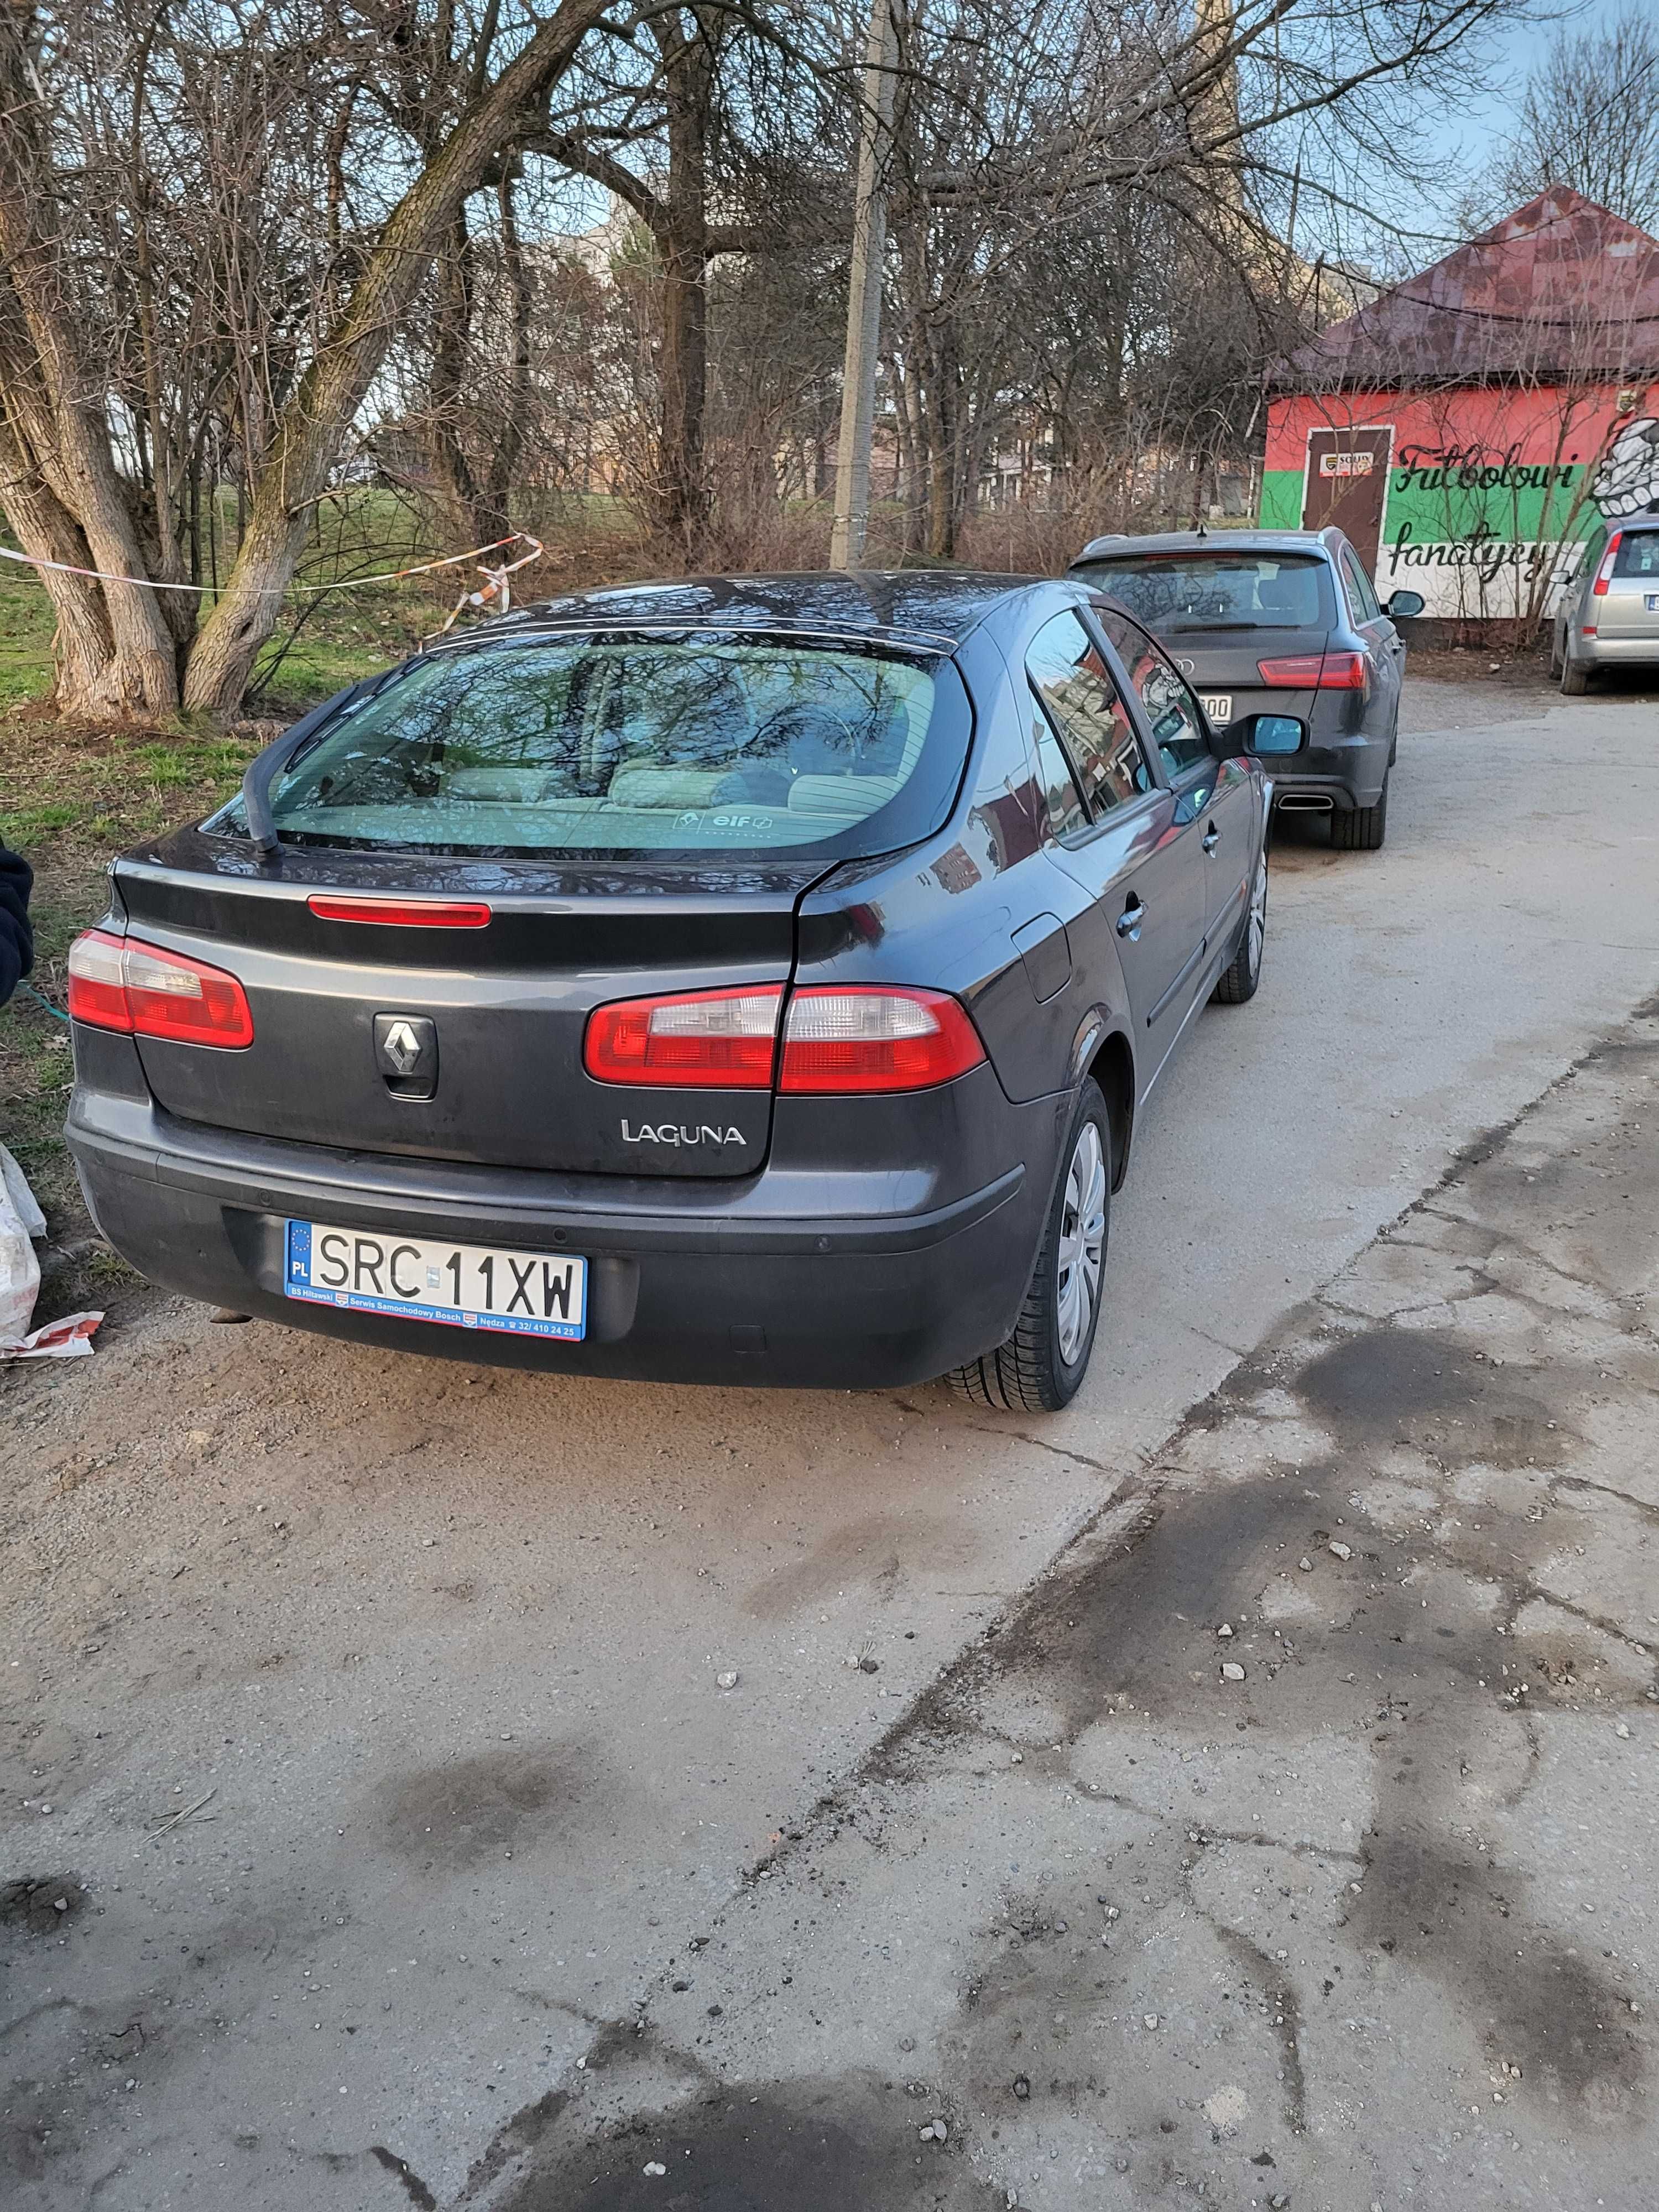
x=875 y=1039
x=403 y=913
x=122 y=983
x=97 y=991
x=711 y=1040
x=1315 y=672
x=1599 y=588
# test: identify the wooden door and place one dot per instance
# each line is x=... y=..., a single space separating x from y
x=1346 y=484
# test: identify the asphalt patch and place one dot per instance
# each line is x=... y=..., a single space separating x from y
x=846 y=2144
x=1390 y=1385
x=42 y=1904
x=1540 y=2004
x=444 y=1818
x=1134 y=1625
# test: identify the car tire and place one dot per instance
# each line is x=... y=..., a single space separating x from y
x=1238 y=979
x=1575 y=680
x=1038 y=1368
x=1555 y=658
x=1362 y=828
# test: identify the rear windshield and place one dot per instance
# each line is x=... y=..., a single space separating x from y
x=1638 y=554
x=584 y=745
x=1220 y=590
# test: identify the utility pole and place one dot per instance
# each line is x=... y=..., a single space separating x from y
x=858 y=383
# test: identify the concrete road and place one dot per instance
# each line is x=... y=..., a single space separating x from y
x=425 y=1659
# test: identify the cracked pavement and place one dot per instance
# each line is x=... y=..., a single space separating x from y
x=1373 y=1925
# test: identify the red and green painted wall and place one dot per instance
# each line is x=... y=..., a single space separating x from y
x=1479 y=496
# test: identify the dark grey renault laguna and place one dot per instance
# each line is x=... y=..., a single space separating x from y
x=742 y=981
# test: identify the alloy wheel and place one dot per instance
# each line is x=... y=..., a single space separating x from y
x=1257 y=926
x=1082 y=1242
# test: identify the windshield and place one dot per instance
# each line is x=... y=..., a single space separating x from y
x=600 y=746
x=1221 y=590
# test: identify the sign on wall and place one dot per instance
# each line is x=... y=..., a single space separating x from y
x=1484 y=501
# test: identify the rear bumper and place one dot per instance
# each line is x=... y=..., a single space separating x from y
x=1345 y=772
x=698 y=1288
x=1296 y=793
x=1613 y=652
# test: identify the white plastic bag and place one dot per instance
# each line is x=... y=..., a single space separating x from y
x=21 y=1222
x=21 y=1219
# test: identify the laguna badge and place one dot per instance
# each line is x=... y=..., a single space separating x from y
x=671 y=1132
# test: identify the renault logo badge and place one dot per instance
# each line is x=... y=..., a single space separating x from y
x=406 y=1053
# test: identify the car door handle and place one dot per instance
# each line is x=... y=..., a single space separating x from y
x=1129 y=921
x=1211 y=838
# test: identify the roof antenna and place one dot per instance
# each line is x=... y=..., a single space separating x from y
x=1202 y=530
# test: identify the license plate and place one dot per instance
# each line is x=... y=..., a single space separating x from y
x=1218 y=706
x=1653 y=603
x=465 y=1286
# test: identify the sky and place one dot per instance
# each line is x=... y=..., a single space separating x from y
x=1492 y=103
x=1495 y=79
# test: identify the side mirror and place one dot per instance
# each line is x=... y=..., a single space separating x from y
x=1403 y=605
x=1270 y=735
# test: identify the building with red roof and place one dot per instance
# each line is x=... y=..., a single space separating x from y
x=1469 y=427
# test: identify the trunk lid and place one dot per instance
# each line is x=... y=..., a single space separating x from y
x=507 y=1004
x=1228 y=667
x=1631 y=608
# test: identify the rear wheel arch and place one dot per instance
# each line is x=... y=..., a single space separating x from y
x=1113 y=1068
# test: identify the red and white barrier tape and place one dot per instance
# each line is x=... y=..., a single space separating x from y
x=346 y=584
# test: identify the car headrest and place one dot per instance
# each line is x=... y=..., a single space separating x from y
x=848 y=798
x=521 y=786
x=661 y=787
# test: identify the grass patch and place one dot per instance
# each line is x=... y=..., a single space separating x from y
x=26 y=626
x=71 y=798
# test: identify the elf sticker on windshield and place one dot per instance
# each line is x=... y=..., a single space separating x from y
x=697 y=818
x=1347 y=465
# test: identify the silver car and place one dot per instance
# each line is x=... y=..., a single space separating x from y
x=1610 y=613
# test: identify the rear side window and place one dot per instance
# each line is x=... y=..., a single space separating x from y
x=609 y=745
x=1219 y=590
x=1361 y=597
x=1069 y=676
x=1066 y=809
x=1638 y=554
x=1177 y=724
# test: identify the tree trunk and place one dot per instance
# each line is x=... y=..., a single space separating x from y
x=142 y=648
x=455 y=491
x=492 y=507
x=913 y=469
x=82 y=648
x=310 y=427
x=943 y=495
x=682 y=492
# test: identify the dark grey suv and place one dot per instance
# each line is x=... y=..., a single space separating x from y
x=1278 y=621
x=748 y=981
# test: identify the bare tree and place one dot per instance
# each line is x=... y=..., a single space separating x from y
x=61 y=428
x=1590 y=120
